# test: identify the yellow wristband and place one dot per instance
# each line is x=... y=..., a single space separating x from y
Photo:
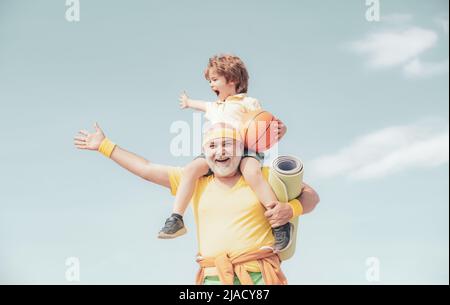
x=297 y=207
x=106 y=147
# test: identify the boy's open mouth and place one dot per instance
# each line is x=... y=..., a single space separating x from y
x=216 y=92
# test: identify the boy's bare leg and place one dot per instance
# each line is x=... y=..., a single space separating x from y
x=191 y=173
x=251 y=170
x=174 y=225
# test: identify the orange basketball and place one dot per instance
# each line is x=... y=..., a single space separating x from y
x=259 y=130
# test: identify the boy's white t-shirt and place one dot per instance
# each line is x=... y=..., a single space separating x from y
x=232 y=110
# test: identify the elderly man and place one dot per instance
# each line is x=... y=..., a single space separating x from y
x=233 y=229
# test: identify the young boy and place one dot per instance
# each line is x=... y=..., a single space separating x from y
x=228 y=78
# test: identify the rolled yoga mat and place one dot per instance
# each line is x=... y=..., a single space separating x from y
x=285 y=178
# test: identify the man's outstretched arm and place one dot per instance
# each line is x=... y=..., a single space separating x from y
x=137 y=165
x=141 y=167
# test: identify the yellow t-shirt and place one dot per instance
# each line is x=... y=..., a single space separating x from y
x=229 y=220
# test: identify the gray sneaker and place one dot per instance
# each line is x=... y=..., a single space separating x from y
x=173 y=228
x=282 y=236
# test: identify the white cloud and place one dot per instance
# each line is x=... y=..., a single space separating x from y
x=417 y=68
x=395 y=47
x=387 y=151
x=403 y=48
x=396 y=18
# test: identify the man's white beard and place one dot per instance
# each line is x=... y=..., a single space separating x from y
x=223 y=172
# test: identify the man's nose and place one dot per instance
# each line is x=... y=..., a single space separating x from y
x=220 y=151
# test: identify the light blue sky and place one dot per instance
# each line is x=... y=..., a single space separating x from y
x=366 y=105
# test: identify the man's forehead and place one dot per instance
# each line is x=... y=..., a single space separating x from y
x=221 y=140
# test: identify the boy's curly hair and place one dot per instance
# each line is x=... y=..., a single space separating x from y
x=232 y=68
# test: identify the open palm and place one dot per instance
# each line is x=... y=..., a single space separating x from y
x=184 y=100
x=90 y=141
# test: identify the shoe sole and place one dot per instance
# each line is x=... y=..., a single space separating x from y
x=291 y=228
x=162 y=235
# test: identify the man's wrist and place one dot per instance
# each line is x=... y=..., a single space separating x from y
x=297 y=208
x=106 y=147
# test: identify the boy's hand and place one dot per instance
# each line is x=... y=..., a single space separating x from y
x=90 y=141
x=282 y=129
x=278 y=213
x=184 y=100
